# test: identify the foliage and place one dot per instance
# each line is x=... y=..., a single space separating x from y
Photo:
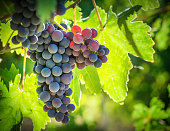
x=148 y=118
x=126 y=39
x=18 y=103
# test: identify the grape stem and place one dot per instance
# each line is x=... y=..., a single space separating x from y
x=98 y=15
x=24 y=65
x=73 y=5
x=7 y=50
x=55 y=22
x=74 y=15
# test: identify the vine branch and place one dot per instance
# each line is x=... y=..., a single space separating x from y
x=73 y=5
x=7 y=50
x=24 y=65
x=98 y=15
x=5 y=17
x=55 y=22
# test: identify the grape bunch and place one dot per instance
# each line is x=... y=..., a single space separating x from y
x=26 y=22
x=51 y=54
x=86 y=50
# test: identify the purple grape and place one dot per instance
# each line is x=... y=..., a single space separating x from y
x=66 y=78
x=86 y=53
x=56 y=71
x=44 y=96
x=51 y=113
x=76 y=47
x=57 y=36
x=103 y=59
x=87 y=33
x=70 y=35
x=66 y=68
x=50 y=28
x=59 y=116
x=66 y=100
x=65 y=120
x=56 y=102
x=98 y=63
x=70 y=107
x=62 y=108
x=93 y=45
x=68 y=92
x=54 y=87
x=81 y=65
x=78 y=39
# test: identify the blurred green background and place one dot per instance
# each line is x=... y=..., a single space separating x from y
x=147 y=106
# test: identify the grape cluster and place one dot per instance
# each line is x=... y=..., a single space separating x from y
x=52 y=54
x=86 y=50
x=26 y=22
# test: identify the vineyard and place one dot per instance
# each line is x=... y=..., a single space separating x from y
x=84 y=65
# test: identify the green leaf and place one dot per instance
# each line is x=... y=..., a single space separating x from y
x=146 y=4
x=6 y=34
x=91 y=79
x=6 y=7
x=122 y=36
x=8 y=75
x=75 y=86
x=18 y=103
x=92 y=21
x=45 y=8
x=69 y=14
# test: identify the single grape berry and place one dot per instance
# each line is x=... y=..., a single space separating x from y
x=87 y=33
x=76 y=29
x=78 y=39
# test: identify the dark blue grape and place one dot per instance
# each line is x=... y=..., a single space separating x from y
x=44 y=96
x=70 y=107
x=70 y=35
x=38 y=68
x=41 y=61
x=66 y=78
x=45 y=34
x=54 y=87
x=46 y=55
x=98 y=63
x=68 y=92
x=57 y=58
x=40 y=48
x=66 y=68
x=14 y=26
x=65 y=120
x=93 y=57
x=27 y=13
x=62 y=108
x=33 y=27
x=56 y=102
x=51 y=113
x=52 y=48
x=20 y=39
x=26 y=22
x=72 y=61
x=57 y=79
x=23 y=32
x=33 y=39
x=57 y=36
x=59 y=116
x=64 y=42
x=60 y=9
x=65 y=58
x=39 y=90
x=45 y=72
x=66 y=100
x=49 y=104
x=17 y=18
x=56 y=71
x=40 y=41
x=62 y=86
x=61 y=50
x=60 y=93
x=40 y=78
x=33 y=47
x=45 y=108
x=49 y=80
x=50 y=63
x=47 y=40
x=45 y=88
x=68 y=51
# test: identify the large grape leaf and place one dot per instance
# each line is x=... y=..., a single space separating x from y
x=17 y=103
x=69 y=14
x=45 y=8
x=122 y=35
x=91 y=79
x=146 y=4
x=8 y=75
x=75 y=86
x=6 y=34
x=6 y=7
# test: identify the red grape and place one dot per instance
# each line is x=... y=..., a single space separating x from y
x=87 y=33
x=75 y=29
x=94 y=33
x=81 y=65
x=78 y=39
x=93 y=45
x=103 y=58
